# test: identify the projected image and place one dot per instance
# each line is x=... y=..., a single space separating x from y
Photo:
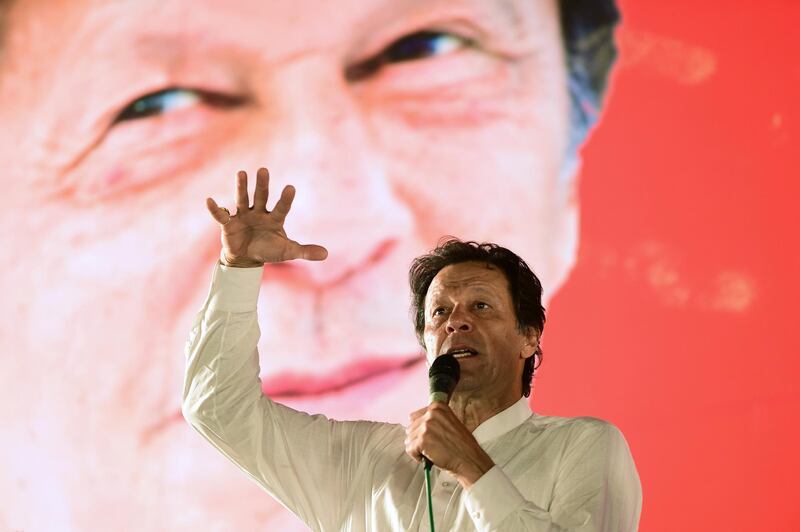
x=397 y=122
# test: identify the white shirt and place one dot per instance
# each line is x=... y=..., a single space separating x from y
x=551 y=473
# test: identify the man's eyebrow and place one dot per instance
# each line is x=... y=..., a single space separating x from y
x=479 y=287
x=484 y=291
x=164 y=45
x=503 y=16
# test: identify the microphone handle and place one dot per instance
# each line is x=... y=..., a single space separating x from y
x=439 y=396
x=434 y=397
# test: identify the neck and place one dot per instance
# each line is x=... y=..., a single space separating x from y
x=472 y=410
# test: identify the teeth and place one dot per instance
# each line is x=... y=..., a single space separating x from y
x=462 y=354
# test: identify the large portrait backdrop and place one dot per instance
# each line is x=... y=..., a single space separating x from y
x=666 y=239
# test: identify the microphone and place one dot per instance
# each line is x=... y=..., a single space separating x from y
x=442 y=379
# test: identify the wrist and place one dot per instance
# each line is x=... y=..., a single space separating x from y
x=238 y=263
x=474 y=470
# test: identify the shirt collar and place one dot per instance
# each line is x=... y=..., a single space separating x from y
x=504 y=421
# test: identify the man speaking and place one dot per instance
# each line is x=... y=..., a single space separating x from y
x=498 y=465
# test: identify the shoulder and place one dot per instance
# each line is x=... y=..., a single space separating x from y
x=584 y=444
x=577 y=431
x=578 y=425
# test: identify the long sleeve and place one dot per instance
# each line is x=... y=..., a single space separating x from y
x=307 y=462
x=597 y=489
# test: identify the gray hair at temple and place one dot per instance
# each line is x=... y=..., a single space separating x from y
x=587 y=27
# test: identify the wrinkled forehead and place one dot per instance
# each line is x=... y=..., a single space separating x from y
x=467 y=277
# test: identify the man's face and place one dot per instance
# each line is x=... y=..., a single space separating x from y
x=120 y=118
x=469 y=311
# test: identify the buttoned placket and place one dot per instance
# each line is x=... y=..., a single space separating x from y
x=444 y=486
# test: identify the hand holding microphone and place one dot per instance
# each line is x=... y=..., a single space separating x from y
x=443 y=377
x=437 y=435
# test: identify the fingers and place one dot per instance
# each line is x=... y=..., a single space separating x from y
x=416 y=414
x=292 y=249
x=284 y=204
x=220 y=214
x=261 y=194
x=413 y=451
x=441 y=406
x=414 y=430
x=413 y=445
x=242 y=200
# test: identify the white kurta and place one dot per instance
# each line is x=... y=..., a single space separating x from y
x=551 y=473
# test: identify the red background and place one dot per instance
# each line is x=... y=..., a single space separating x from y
x=691 y=174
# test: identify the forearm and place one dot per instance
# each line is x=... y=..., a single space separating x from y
x=494 y=503
x=221 y=387
x=223 y=401
x=613 y=505
x=292 y=455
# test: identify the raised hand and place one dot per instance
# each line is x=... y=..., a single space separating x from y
x=254 y=235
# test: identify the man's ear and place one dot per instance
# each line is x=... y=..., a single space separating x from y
x=532 y=336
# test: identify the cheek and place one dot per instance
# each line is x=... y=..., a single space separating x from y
x=453 y=180
x=148 y=157
x=431 y=344
x=101 y=274
x=455 y=159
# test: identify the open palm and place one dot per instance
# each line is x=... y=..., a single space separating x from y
x=255 y=235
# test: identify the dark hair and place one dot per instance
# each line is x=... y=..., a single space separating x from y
x=526 y=290
x=587 y=28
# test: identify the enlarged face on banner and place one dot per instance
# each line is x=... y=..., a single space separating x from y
x=397 y=121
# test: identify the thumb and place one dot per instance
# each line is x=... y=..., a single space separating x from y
x=306 y=251
x=220 y=214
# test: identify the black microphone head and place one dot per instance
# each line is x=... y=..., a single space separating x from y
x=444 y=374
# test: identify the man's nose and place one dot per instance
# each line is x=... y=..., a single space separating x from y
x=345 y=200
x=458 y=321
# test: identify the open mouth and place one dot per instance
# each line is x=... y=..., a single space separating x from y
x=462 y=352
x=295 y=384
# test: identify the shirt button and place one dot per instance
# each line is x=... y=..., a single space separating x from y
x=477 y=515
x=446 y=484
